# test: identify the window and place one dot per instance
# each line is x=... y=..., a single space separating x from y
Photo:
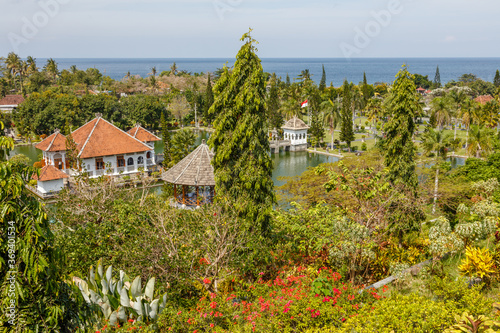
x=140 y=160
x=120 y=161
x=99 y=164
x=130 y=161
x=148 y=154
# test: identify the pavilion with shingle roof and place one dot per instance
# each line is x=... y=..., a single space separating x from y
x=295 y=130
x=195 y=174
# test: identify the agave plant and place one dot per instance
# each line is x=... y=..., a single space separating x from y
x=121 y=300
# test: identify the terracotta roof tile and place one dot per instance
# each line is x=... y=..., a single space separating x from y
x=101 y=138
x=483 y=99
x=12 y=100
x=54 y=142
x=142 y=134
x=50 y=172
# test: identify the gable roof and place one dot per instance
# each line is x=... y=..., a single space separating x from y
x=12 y=100
x=195 y=169
x=99 y=137
x=49 y=172
x=295 y=124
x=142 y=134
x=54 y=142
x=483 y=99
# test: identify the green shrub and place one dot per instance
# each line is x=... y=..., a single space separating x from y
x=401 y=313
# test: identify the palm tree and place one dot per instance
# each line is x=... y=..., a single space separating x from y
x=51 y=69
x=438 y=143
x=441 y=110
x=481 y=141
x=490 y=114
x=31 y=65
x=469 y=114
x=374 y=112
x=331 y=115
x=291 y=108
x=173 y=69
x=182 y=144
x=73 y=69
x=458 y=98
x=13 y=65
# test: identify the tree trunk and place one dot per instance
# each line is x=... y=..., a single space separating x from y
x=332 y=139
x=436 y=181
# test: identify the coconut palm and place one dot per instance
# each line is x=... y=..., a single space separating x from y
x=469 y=114
x=331 y=115
x=13 y=66
x=291 y=108
x=31 y=62
x=173 y=69
x=73 y=69
x=374 y=112
x=481 y=141
x=182 y=144
x=441 y=110
x=51 y=69
x=490 y=116
x=436 y=142
x=458 y=98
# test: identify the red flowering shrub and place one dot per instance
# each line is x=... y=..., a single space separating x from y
x=306 y=299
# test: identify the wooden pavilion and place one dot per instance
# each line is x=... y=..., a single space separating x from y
x=193 y=178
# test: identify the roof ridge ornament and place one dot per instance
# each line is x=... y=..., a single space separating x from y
x=98 y=115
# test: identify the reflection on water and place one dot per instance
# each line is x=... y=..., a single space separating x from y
x=290 y=164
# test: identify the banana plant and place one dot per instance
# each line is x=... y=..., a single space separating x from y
x=120 y=300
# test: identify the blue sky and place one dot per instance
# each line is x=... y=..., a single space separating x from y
x=284 y=28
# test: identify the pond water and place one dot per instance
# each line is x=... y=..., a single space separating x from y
x=286 y=164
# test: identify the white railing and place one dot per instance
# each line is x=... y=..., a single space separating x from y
x=99 y=172
x=149 y=161
x=130 y=168
x=120 y=169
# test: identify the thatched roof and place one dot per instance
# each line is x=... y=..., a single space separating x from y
x=195 y=169
x=295 y=124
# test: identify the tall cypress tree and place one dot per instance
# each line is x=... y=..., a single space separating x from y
x=273 y=105
x=496 y=80
x=437 y=78
x=287 y=82
x=322 y=83
x=165 y=136
x=209 y=99
x=365 y=90
x=242 y=163
x=403 y=106
x=346 y=126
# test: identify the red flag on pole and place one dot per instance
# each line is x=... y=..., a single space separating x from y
x=304 y=104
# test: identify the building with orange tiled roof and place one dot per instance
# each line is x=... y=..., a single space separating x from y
x=10 y=102
x=54 y=150
x=143 y=135
x=102 y=149
x=50 y=179
x=483 y=99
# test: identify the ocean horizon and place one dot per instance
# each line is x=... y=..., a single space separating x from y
x=337 y=69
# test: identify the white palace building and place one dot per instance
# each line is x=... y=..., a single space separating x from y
x=102 y=149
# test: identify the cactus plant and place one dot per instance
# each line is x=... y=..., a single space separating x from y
x=120 y=300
